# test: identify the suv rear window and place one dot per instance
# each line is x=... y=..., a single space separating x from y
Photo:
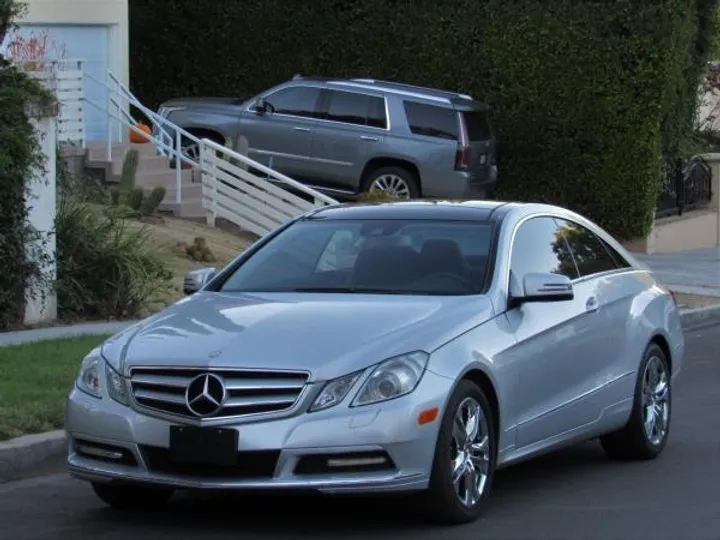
x=432 y=121
x=477 y=125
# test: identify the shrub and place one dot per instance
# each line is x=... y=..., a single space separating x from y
x=152 y=201
x=379 y=196
x=199 y=250
x=104 y=269
x=586 y=94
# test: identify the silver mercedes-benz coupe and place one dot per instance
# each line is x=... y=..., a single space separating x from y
x=384 y=348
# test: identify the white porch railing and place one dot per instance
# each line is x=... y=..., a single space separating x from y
x=65 y=78
x=257 y=204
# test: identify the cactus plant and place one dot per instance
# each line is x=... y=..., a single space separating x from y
x=135 y=198
x=129 y=170
x=152 y=201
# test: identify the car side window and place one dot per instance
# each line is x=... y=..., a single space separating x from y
x=354 y=108
x=589 y=252
x=540 y=246
x=432 y=121
x=295 y=101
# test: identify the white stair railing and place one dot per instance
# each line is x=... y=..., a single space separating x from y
x=230 y=190
x=257 y=204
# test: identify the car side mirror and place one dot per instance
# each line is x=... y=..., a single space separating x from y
x=197 y=279
x=261 y=106
x=543 y=287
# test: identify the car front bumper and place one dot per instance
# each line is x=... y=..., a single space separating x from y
x=110 y=442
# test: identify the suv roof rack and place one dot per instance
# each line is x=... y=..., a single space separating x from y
x=393 y=84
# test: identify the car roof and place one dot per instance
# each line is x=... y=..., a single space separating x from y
x=420 y=210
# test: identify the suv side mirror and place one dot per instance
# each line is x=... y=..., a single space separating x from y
x=197 y=279
x=542 y=287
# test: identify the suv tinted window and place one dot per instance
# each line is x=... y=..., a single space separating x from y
x=431 y=121
x=353 y=108
x=587 y=249
x=296 y=101
x=477 y=126
x=539 y=246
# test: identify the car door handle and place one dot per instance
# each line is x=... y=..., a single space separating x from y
x=592 y=305
x=303 y=129
x=368 y=138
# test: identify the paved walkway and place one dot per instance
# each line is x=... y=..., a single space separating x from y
x=691 y=272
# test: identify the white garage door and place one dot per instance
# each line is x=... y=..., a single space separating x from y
x=91 y=45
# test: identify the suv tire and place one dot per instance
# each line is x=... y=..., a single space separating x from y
x=405 y=184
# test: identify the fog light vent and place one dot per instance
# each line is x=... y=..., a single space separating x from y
x=344 y=463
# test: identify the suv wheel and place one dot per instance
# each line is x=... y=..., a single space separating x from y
x=395 y=181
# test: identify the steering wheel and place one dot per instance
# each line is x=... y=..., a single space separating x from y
x=459 y=279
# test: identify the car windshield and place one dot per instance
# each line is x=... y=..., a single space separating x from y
x=423 y=257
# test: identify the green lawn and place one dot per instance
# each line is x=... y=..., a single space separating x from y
x=35 y=380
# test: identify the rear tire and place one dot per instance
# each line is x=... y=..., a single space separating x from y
x=470 y=462
x=645 y=435
x=397 y=181
x=133 y=498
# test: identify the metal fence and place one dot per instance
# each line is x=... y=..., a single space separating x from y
x=685 y=186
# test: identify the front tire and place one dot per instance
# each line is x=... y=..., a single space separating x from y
x=133 y=498
x=645 y=435
x=464 y=462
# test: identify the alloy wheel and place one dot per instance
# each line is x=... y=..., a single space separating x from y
x=470 y=453
x=655 y=400
x=391 y=184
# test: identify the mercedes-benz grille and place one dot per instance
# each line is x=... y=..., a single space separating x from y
x=246 y=392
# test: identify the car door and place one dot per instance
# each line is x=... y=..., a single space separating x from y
x=547 y=351
x=602 y=377
x=282 y=137
x=352 y=127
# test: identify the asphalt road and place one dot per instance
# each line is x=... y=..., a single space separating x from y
x=575 y=494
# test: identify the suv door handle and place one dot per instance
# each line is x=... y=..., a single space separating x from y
x=368 y=138
x=303 y=129
x=592 y=305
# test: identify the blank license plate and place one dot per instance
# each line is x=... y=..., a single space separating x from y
x=203 y=446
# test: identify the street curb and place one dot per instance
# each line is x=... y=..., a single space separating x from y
x=21 y=337
x=22 y=455
x=699 y=316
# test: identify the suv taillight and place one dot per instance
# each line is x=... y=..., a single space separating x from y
x=462 y=154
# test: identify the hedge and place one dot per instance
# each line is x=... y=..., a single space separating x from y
x=587 y=95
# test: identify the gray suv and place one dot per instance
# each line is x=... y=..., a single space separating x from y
x=345 y=137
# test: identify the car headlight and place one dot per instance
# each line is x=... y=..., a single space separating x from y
x=88 y=378
x=116 y=385
x=334 y=392
x=392 y=378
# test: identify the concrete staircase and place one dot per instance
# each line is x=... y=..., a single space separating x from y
x=153 y=170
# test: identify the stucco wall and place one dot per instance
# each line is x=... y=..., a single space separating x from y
x=106 y=12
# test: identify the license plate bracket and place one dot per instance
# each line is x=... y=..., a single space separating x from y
x=193 y=445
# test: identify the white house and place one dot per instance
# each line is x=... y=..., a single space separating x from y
x=94 y=31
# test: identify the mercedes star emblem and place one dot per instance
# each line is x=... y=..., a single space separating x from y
x=205 y=395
